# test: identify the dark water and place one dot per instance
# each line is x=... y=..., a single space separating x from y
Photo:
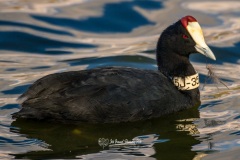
x=39 y=38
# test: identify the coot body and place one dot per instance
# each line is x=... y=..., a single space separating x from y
x=121 y=94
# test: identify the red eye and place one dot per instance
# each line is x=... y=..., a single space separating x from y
x=185 y=36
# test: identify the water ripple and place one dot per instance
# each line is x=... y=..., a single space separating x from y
x=121 y=21
x=25 y=42
x=34 y=27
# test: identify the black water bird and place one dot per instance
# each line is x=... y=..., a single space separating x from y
x=121 y=94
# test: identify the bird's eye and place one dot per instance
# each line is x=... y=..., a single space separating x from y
x=185 y=36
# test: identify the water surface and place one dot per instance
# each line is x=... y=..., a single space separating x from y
x=39 y=38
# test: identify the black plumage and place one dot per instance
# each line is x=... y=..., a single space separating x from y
x=117 y=94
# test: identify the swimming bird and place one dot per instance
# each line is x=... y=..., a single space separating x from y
x=124 y=94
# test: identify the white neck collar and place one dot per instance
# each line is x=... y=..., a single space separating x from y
x=186 y=83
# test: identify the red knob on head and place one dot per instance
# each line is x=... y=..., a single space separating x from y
x=187 y=19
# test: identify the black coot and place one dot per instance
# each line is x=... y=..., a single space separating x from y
x=120 y=94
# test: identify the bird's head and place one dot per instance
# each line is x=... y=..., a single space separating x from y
x=185 y=37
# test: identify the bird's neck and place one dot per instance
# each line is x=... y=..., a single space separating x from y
x=173 y=65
